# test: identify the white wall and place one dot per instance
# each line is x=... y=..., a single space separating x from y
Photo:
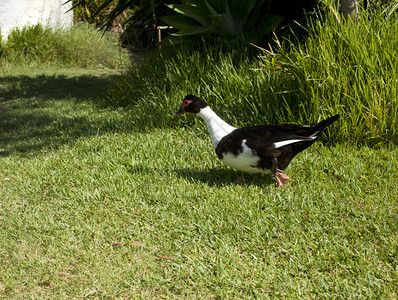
x=17 y=13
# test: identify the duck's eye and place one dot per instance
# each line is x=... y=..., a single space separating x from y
x=186 y=103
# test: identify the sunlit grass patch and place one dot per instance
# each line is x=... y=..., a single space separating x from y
x=78 y=46
x=102 y=206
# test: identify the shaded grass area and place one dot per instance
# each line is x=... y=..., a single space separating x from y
x=91 y=205
x=34 y=114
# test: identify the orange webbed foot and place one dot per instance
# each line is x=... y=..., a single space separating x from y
x=281 y=178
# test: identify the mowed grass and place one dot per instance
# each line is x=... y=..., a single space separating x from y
x=94 y=205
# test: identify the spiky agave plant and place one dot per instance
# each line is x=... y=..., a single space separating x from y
x=228 y=20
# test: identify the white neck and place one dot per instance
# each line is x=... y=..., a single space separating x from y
x=216 y=126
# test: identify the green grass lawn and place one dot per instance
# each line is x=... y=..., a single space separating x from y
x=93 y=205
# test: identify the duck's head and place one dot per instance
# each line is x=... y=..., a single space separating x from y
x=191 y=104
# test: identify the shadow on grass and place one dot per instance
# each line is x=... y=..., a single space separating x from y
x=211 y=177
x=222 y=177
x=53 y=87
x=41 y=111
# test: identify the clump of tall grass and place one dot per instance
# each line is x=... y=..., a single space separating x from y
x=231 y=82
x=340 y=67
x=80 y=45
x=349 y=68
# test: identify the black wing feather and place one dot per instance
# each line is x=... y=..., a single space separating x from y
x=261 y=140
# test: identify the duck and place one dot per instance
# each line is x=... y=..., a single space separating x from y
x=255 y=149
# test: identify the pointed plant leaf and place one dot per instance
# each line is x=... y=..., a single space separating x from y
x=194 y=30
x=180 y=21
x=257 y=13
x=74 y=5
x=232 y=25
x=212 y=11
x=218 y=5
x=226 y=25
x=152 y=4
x=143 y=14
x=241 y=9
x=269 y=23
x=194 y=12
x=102 y=6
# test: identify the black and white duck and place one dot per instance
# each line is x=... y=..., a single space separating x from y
x=255 y=149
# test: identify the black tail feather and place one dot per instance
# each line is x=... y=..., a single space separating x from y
x=321 y=126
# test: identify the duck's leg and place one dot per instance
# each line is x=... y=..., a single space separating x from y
x=280 y=177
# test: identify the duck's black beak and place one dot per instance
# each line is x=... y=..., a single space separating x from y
x=179 y=112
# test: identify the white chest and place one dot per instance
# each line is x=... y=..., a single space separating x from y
x=245 y=161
